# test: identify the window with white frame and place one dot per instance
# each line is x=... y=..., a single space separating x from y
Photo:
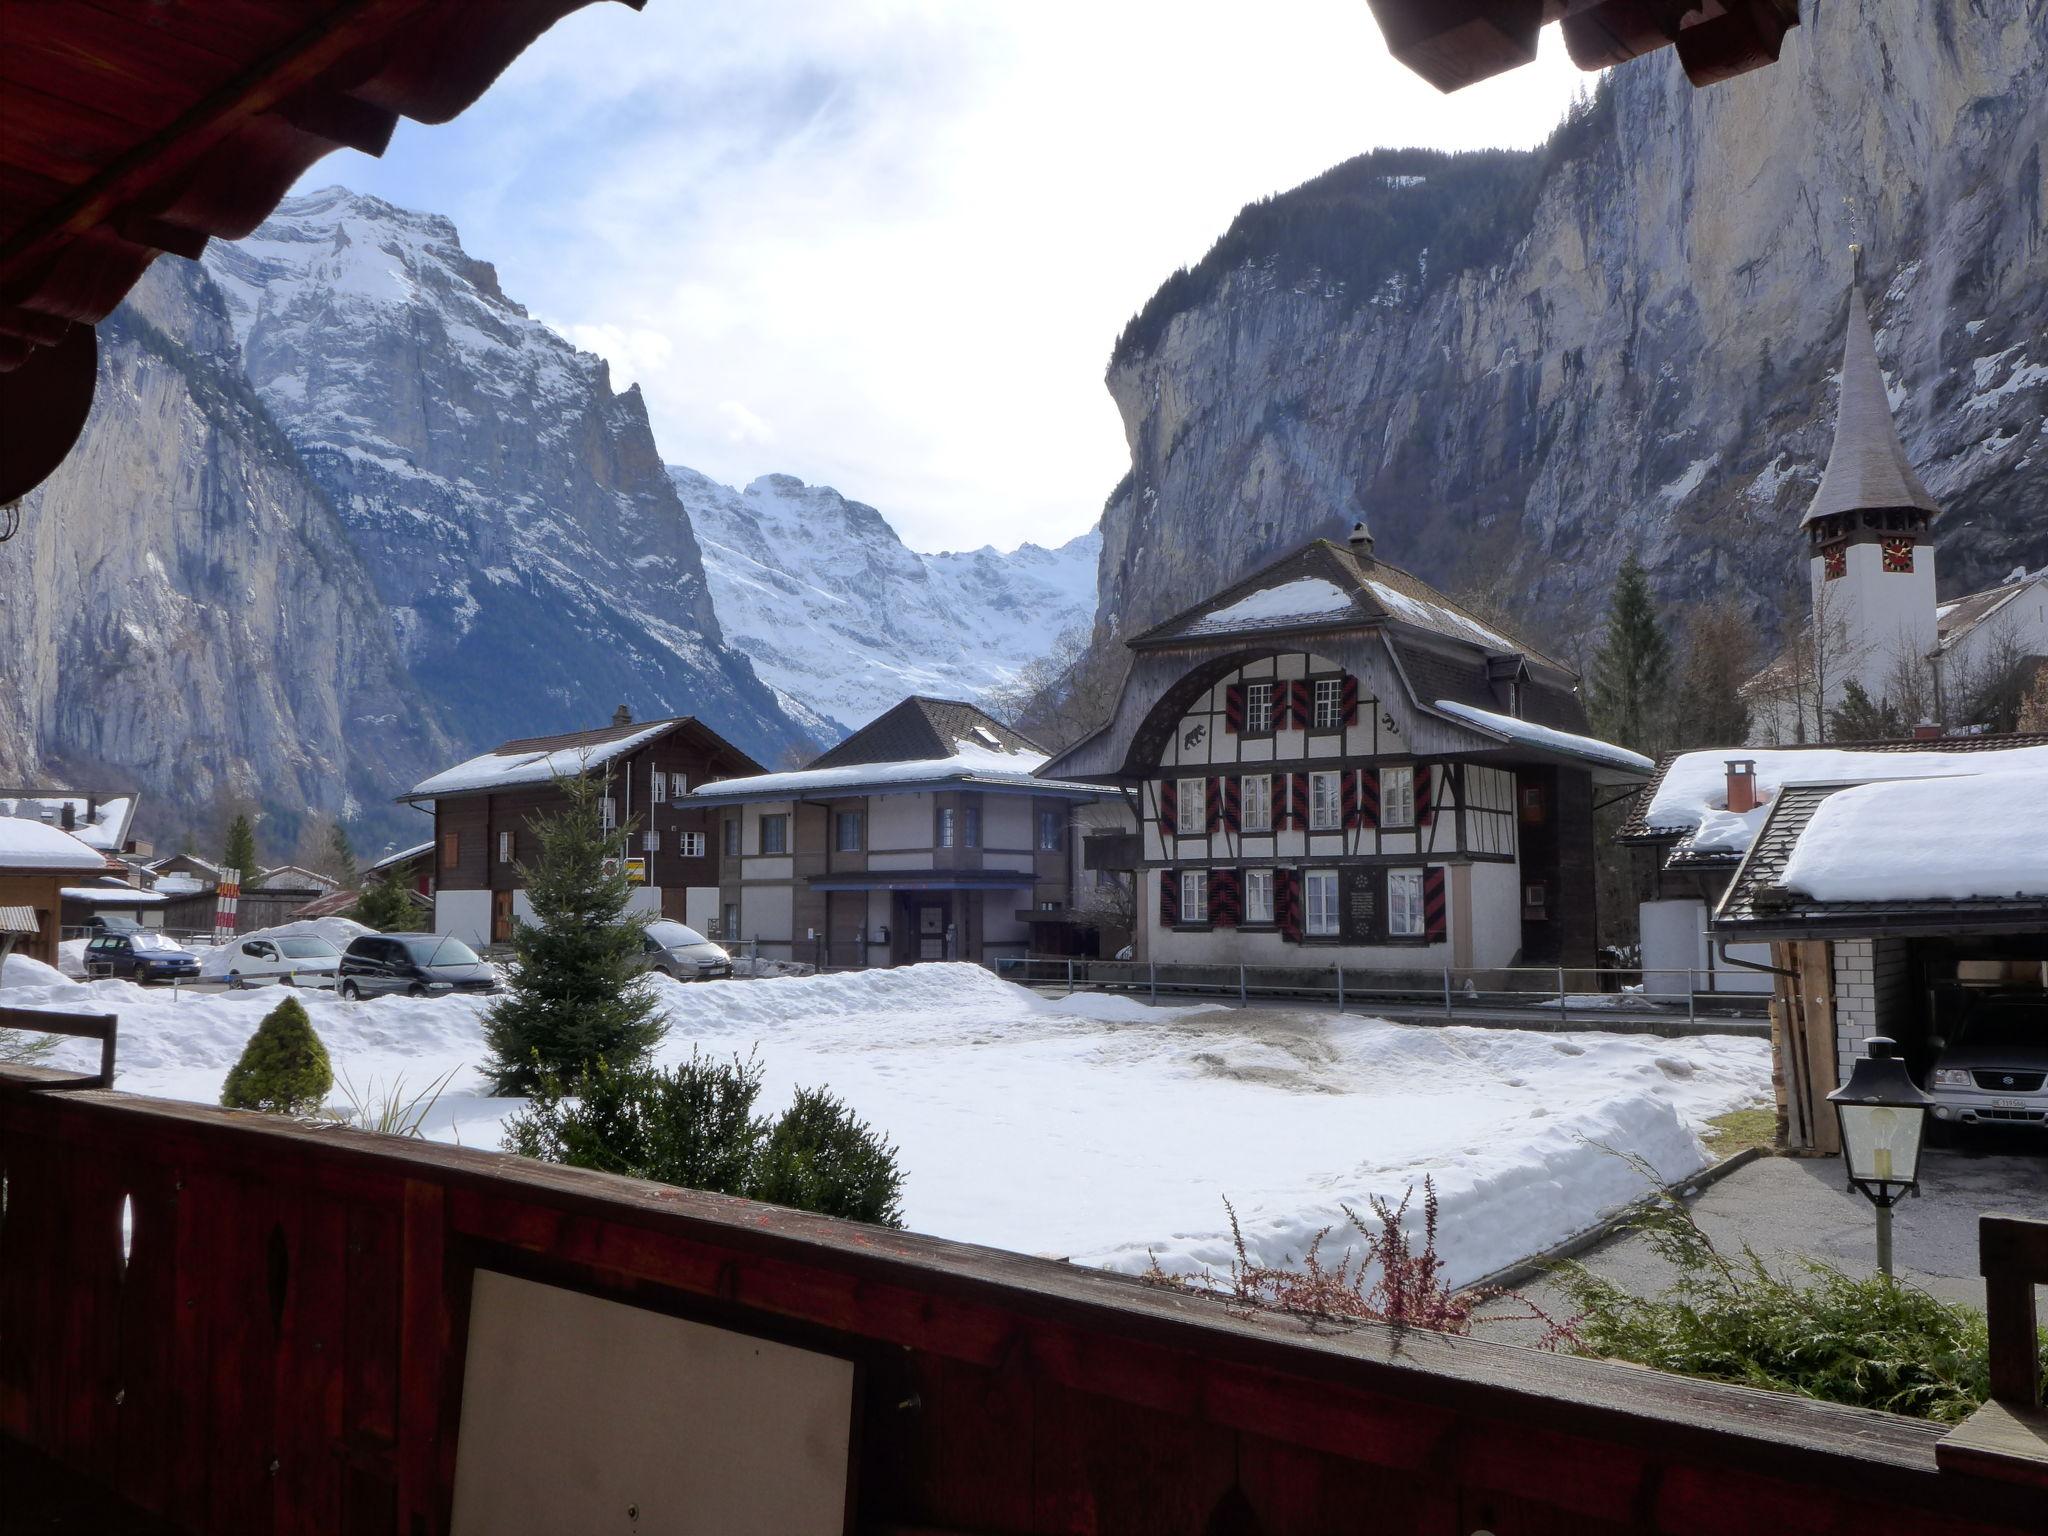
x=848 y=839
x=1405 y=917
x=1255 y=803
x=1319 y=897
x=1191 y=819
x=775 y=834
x=1329 y=706
x=1258 y=896
x=505 y=846
x=660 y=787
x=1325 y=803
x=945 y=833
x=650 y=841
x=1258 y=708
x=611 y=814
x=1397 y=797
x=732 y=839
x=1194 y=896
x=690 y=844
x=1049 y=831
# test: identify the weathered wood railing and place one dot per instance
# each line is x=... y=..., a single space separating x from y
x=102 y=1027
x=251 y=1325
x=2008 y=1436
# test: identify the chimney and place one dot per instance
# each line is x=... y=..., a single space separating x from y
x=68 y=817
x=1361 y=539
x=1927 y=730
x=622 y=716
x=1741 y=784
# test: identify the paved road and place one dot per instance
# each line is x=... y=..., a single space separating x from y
x=1787 y=1206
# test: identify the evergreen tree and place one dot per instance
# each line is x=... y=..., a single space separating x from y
x=1860 y=718
x=341 y=858
x=1720 y=656
x=1629 y=672
x=283 y=1069
x=385 y=906
x=240 y=852
x=578 y=993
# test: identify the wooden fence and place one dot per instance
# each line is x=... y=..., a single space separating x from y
x=250 y=1325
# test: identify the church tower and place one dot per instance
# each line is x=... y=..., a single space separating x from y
x=1869 y=533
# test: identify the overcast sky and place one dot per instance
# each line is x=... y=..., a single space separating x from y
x=886 y=244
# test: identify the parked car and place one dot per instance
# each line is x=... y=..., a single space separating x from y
x=416 y=964
x=142 y=954
x=111 y=922
x=1992 y=1066
x=296 y=960
x=678 y=950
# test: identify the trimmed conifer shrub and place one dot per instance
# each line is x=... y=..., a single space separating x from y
x=283 y=1069
x=823 y=1157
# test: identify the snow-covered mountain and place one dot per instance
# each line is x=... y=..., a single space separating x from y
x=843 y=620
x=510 y=508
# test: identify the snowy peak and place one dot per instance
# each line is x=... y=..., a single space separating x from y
x=836 y=612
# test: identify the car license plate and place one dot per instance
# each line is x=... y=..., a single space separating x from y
x=2008 y=1104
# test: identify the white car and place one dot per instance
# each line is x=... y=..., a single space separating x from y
x=299 y=960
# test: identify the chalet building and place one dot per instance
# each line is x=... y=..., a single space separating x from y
x=1877 y=622
x=926 y=835
x=102 y=820
x=1336 y=764
x=483 y=811
x=412 y=868
x=39 y=864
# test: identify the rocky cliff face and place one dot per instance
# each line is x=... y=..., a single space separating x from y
x=182 y=611
x=511 y=509
x=844 y=620
x=1631 y=345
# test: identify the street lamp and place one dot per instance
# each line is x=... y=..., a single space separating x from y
x=1883 y=1116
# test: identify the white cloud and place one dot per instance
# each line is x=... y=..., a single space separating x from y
x=906 y=232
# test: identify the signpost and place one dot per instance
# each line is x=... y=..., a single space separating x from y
x=227 y=894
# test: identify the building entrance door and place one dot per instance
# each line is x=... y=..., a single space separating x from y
x=501 y=917
x=931 y=933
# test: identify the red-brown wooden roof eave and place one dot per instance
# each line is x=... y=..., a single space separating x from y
x=133 y=129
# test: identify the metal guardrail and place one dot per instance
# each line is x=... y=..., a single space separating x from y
x=1562 y=992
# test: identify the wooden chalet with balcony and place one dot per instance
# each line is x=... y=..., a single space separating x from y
x=1331 y=758
x=484 y=810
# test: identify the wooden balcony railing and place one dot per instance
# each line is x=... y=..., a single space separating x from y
x=247 y=1324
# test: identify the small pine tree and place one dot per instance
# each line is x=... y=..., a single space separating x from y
x=341 y=858
x=578 y=993
x=1629 y=671
x=385 y=906
x=1861 y=718
x=240 y=852
x=823 y=1157
x=284 y=1068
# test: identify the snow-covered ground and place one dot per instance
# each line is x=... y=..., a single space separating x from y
x=1095 y=1128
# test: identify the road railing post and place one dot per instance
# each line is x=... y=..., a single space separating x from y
x=1340 y=989
x=1563 y=1011
x=1447 y=991
x=1152 y=977
x=1242 y=998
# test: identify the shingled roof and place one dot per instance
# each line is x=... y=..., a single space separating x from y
x=1867 y=467
x=920 y=729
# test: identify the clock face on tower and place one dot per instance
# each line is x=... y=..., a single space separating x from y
x=1898 y=555
x=1834 y=560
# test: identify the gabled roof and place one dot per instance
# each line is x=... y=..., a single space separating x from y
x=534 y=760
x=1954 y=620
x=1326 y=586
x=99 y=820
x=921 y=729
x=1867 y=467
x=417 y=850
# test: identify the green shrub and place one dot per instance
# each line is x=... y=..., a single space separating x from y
x=385 y=906
x=284 y=1068
x=821 y=1156
x=695 y=1126
x=1819 y=1333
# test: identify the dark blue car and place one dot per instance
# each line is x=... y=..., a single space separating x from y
x=141 y=954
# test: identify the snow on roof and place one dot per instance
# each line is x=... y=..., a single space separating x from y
x=98 y=823
x=1306 y=597
x=112 y=896
x=1529 y=733
x=501 y=769
x=1693 y=795
x=1928 y=839
x=26 y=844
x=970 y=763
x=401 y=856
x=1404 y=605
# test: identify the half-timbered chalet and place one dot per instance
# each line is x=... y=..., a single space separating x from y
x=484 y=810
x=925 y=835
x=1333 y=760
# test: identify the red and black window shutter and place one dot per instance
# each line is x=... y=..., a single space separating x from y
x=1425 y=808
x=1287 y=904
x=1233 y=708
x=1349 y=798
x=1369 y=797
x=1435 y=923
x=1169 y=806
x=1297 y=801
x=1226 y=899
x=1233 y=803
x=1169 y=898
x=1348 y=700
x=1215 y=807
x=1298 y=703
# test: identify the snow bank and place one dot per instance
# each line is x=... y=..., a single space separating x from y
x=1927 y=840
x=1309 y=597
x=21 y=971
x=1093 y=1127
x=1693 y=796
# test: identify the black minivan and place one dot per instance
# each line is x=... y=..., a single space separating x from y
x=417 y=964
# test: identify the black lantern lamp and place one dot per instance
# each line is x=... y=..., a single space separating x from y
x=1883 y=1116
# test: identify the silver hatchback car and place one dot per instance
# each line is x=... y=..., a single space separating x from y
x=1992 y=1069
x=678 y=950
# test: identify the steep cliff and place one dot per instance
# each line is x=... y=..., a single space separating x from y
x=510 y=507
x=183 y=613
x=843 y=619
x=1531 y=364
